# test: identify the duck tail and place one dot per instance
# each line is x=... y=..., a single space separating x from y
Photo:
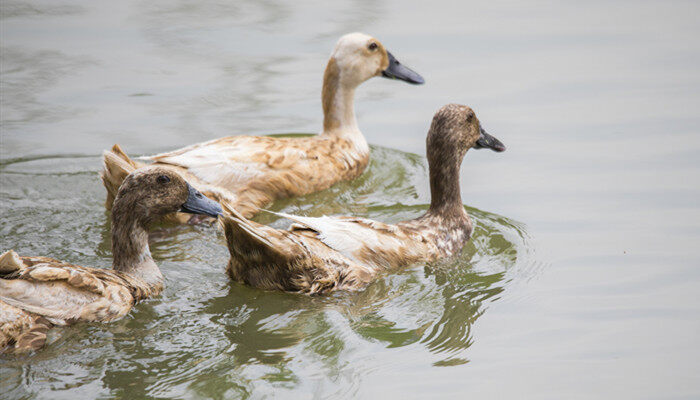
x=10 y=262
x=246 y=238
x=116 y=165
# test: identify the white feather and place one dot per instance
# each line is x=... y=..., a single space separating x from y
x=215 y=163
x=50 y=299
x=344 y=236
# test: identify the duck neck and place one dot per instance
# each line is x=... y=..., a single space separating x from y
x=338 y=105
x=130 y=249
x=445 y=197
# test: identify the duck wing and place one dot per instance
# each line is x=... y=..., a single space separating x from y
x=65 y=293
x=366 y=241
x=234 y=160
x=255 y=243
x=275 y=259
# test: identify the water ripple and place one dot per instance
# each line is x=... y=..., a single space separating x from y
x=206 y=336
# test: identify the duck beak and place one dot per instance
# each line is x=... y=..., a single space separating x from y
x=197 y=203
x=487 y=141
x=396 y=70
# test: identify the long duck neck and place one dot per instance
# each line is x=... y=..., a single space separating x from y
x=338 y=105
x=445 y=195
x=130 y=250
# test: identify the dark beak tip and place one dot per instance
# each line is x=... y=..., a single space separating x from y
x=216 y=211
x=197 y=203
x=418 y=80
x=396 y=70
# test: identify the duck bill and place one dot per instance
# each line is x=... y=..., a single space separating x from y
x=487 y=141
x=396 y=70
x=197 y=203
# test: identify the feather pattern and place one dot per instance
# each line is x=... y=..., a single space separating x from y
x=46 y=292
x=65 y=293
x=342 y=253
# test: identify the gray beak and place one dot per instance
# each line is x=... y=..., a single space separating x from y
x=487 y=141
x=396 y=70
x=198 y=203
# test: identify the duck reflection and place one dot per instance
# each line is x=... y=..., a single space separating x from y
x=432 y=306
x=261 y=325
x=439 y=308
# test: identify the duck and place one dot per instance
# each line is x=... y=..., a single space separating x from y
x=250 y=172
x=323 y=254
x=37 y=293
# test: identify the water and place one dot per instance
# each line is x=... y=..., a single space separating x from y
x=581 y=280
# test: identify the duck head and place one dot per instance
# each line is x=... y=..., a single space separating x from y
x=359 y=57
x=153 y=192
x=455 y=128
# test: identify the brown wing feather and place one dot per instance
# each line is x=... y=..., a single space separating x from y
x=67 y=293
x=274 y=259
x=282 y=167
x=369 y=242
x=21 y=331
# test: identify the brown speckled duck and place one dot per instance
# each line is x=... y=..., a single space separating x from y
x=318 y=255
x=38 y=292
x=249 y=172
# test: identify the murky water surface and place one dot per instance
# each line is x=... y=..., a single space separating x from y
x=581 y=280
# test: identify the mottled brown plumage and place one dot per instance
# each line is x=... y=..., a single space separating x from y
x=319 y=255
x=20 y=329
x=37 y=292
x=249 y=172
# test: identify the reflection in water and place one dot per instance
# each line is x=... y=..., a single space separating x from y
x=213 y=338
x=458 y=291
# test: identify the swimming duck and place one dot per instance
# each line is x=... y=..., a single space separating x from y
x=318 y=255
x=38 y=292
x=249 y=172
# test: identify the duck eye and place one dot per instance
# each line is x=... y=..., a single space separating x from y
x=372 y=46
x=163 y=179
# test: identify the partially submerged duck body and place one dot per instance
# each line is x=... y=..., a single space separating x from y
x=38 y=292
x=324 y=254
x=42 y=292
x=249 y=172
x=318 y=255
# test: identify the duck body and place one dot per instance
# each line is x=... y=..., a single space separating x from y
x=323 y=254
x=43 y=292
x=249 y=172
x=66 y=293
x=39 y=292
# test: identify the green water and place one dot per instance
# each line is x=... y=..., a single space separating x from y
x=581 y=280
x=208 y=337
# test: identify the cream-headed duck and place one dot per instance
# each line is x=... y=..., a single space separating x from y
x=249 y=172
